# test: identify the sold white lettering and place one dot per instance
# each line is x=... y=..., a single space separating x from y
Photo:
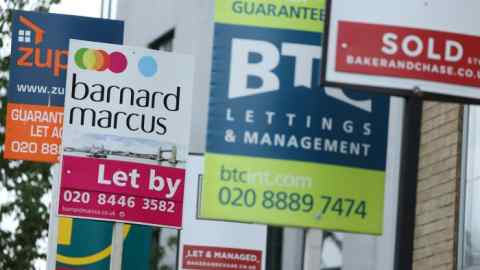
x=413 y=46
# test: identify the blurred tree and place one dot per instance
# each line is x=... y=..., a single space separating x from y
x=159 y=251
x=26 y=182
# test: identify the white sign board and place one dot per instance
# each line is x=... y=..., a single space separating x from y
x=214 y=244
x=404 y=45
x=126 y=134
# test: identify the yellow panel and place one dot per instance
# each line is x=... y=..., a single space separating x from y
x=65 y=226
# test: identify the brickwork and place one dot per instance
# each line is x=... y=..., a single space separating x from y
x=438 y=187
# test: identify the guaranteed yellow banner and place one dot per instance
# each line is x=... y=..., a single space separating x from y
x=306 y=15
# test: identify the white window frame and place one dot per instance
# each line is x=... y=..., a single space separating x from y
x=468 y=125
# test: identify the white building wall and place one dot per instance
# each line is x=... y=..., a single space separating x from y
x=146 y=20
x=195 y=36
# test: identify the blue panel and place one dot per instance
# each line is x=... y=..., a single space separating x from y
x=332 y=131
x=36 y=76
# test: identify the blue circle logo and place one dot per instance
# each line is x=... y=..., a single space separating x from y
x=147 y=66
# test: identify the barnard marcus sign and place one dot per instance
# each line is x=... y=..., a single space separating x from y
x=405 y=46
x=126 y=131
x=281 y=149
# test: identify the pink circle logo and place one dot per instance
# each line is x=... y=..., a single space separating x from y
x=118 y=62
x=100 y=60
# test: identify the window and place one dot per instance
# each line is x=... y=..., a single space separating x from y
x=24 y=36
x=274 y=248
x=469 y=229
x=323 y=250
x=331 y=258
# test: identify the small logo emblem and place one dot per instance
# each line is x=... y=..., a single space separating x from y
x=100 y=60
x=26 y=35
x=147 y=66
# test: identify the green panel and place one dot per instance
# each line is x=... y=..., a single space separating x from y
x=292 y=193
x=89 y=241
x=305 y=15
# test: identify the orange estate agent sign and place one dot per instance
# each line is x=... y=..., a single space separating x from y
x=37 y=79
x=34 y=132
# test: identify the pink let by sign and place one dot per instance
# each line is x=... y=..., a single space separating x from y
x=126 y=134
x=118 y=190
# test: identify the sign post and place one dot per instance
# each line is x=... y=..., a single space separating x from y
x=53 y=220
x=216 y=245
x=281 y=149
x=405 y=49
x=36 y=89
x=76 y=243
x=117 y=247
x=395 y=48
x=126 y=131
x=407 y=196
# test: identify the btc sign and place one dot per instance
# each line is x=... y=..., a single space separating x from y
x=302 y=58
x=281 y=149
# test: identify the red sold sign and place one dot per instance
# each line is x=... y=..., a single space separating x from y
x=408 y=52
